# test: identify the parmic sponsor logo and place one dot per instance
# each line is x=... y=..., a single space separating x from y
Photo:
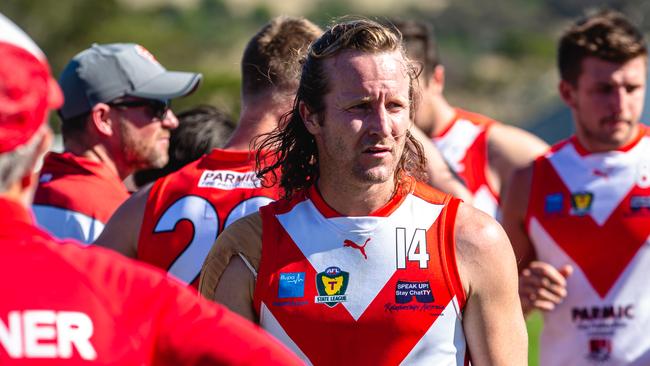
x=581 y=203
x=331 y=285
x=228 y=180
x=615 y=312
x=46 y=334
x=553 y=203
x=406 y=291
x=291 y=284
x=600 y=349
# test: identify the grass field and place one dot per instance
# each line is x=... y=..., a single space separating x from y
x=534 y=325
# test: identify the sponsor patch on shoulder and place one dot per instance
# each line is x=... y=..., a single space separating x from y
x=228 y=179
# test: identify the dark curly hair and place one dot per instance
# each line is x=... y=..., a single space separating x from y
x=291 y=148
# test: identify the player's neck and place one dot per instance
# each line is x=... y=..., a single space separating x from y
x=594 y=145
x=20 y=192
x=355 y=199
x=100 y=154
x=443 y=115
x=254 y=121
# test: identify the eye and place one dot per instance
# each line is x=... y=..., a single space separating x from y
x=360 y=107
x=395 y=106
x=632 y=88
x=604 y=88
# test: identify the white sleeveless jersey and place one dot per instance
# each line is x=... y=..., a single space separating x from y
x=374 y=290
x=464 y=145
x=592 y=211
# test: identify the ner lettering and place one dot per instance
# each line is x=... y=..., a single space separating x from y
x=47 y=334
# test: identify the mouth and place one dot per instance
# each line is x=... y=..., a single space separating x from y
x=614 y=121
x=377 y=151
x=164 y=140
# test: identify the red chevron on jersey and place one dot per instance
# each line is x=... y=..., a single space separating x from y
x=587 y=233
x=76 y=196
x=398 y=304
x=463 y=144
x=592 y=211
x=187 y=209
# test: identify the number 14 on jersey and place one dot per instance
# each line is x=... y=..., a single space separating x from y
x=415 y=251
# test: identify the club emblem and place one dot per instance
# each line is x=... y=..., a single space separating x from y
x=581 y=203
x=331 y=285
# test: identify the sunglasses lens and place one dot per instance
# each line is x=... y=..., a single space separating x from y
x=157 y=108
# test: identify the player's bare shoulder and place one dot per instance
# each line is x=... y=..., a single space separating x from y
x=122 y=230
x=482 y=247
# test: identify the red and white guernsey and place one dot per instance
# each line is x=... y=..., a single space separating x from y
x=381 y=289
x=187 y=209
x=464 y=146
x=592 y=210
x=76 y=196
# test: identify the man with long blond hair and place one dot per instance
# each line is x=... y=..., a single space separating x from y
x=361 y=262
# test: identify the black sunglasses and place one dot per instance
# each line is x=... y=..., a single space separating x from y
x=158 y=108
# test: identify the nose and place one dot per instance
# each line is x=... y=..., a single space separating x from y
x=380 y=122
x=618 y=99
x=170 y=121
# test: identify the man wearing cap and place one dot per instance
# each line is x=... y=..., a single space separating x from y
x=64 y=304
x=116 y=119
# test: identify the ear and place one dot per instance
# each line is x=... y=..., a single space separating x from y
x=309 y=118
x=100 y=119
x=567 y=93
x=437 y=79
x=29 y=181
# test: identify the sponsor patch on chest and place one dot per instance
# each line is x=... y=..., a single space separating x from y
x=406 y=291
x=291 y=284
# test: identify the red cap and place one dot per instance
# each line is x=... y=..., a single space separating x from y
x=27 y=93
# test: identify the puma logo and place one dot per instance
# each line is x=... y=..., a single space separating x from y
x=362 y=248
x=600 y=173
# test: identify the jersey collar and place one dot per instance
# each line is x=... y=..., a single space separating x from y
x=405 y=187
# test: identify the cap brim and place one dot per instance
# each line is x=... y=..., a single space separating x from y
x=169 y=85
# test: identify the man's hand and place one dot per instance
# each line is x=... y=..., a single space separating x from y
x=542 y=286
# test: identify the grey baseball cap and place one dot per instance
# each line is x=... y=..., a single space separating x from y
x=105 y=72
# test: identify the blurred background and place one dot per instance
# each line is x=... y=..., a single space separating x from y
x=499 y=55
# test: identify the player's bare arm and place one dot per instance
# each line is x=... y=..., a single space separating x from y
x=541 y=286
x=514 y=206
x=492 y=320
x=440 y=176
x=509 y=149
x=122 y=230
